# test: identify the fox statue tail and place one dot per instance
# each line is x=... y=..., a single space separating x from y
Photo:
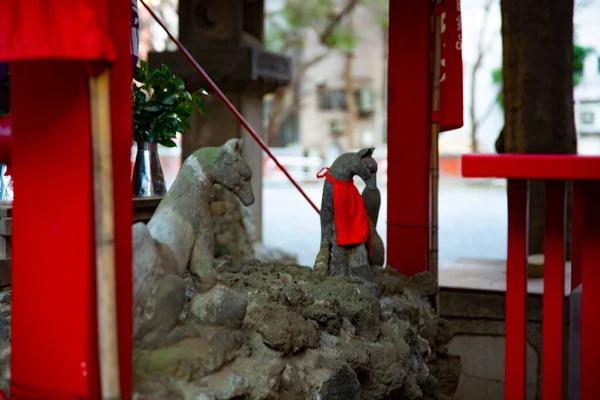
x=372 y=202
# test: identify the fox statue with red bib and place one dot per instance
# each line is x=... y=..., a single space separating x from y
x=350 y=245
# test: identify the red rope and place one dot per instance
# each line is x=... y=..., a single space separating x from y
x=226 y=101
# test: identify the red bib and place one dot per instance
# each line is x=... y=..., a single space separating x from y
x=351 y=221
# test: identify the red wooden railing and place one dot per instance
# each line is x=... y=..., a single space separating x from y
x=556 y=170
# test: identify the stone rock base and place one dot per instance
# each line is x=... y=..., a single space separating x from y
x=303 y=336
x=293 y=334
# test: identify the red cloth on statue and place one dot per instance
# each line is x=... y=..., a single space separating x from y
x=351 y=221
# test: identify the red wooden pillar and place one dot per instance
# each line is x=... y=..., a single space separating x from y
x=54 y=320
x=590 y=300
x=54 y=340
x=516 y=290
x=408 y=124
x=121 y=76
x=554 y=291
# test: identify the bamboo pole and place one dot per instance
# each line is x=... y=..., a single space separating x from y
x=105 y=249
x=434 y=175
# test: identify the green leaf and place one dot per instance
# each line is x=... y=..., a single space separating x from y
x=187 y=108
x=200 y=105
x=170 y=99
x=158 y=118
x=179 y=83
x=152 y=109
x=167 y=142
x=140 y=74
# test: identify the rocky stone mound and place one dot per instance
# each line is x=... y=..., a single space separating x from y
x=278 y=332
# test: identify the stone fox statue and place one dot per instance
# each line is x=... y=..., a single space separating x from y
x=372 y=202
x=348 y=221
x=180 y=235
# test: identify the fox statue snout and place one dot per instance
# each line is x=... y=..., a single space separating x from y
x=246 y=194
x=232 y=172
x=371 y=182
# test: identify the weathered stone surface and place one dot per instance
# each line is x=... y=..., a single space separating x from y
x=245 y=378
x=330 y=339
x=234 y=230
x=283 y=330
x=5 y=367
x=5 y=307
x=219 y=306
x=189 y=353
x=155 y=388
x=304 y=336
x=179 y=236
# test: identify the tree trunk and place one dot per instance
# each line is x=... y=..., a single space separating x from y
x=474 y=140
x=537 y=41
x=351 y=106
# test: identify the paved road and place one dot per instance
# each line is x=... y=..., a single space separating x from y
x=472 y=221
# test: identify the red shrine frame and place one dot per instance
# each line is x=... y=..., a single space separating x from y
x=69 y=363
x=54 y=322
x=57 y=351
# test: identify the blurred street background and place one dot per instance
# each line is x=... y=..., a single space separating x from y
x=336 y=101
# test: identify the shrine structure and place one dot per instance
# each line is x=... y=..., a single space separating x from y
x=55 y=321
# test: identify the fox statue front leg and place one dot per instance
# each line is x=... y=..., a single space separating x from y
x=323 y=260
x=202 y=258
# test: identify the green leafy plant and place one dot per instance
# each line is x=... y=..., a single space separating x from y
x=161 y=105
x=579 y=55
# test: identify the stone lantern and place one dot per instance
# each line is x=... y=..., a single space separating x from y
x=226 y=38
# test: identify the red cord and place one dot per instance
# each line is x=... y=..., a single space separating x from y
x=226 y=101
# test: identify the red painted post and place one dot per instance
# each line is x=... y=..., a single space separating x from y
x=577 y=232
x=516 y=290
x=122 y=135
x=590 y=300
x=54 y=339
x=554 y=291
x=408 y=125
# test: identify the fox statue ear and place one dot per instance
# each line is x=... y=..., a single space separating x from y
x=368 y=152
x=234 y=146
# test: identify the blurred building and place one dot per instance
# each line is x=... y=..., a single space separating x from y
x=587 y=107
x=322 y=118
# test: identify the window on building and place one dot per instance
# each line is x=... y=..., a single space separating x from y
x=365 y=101
x=335 y=99
x=587 y=117
x=337 y=129
x=290 y=129
x=331 y=99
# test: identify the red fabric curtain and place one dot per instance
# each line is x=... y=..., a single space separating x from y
x=451 y=72
x=51 y=29
x=51 y=45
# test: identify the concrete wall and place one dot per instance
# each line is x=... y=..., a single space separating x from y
x=477 y=324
